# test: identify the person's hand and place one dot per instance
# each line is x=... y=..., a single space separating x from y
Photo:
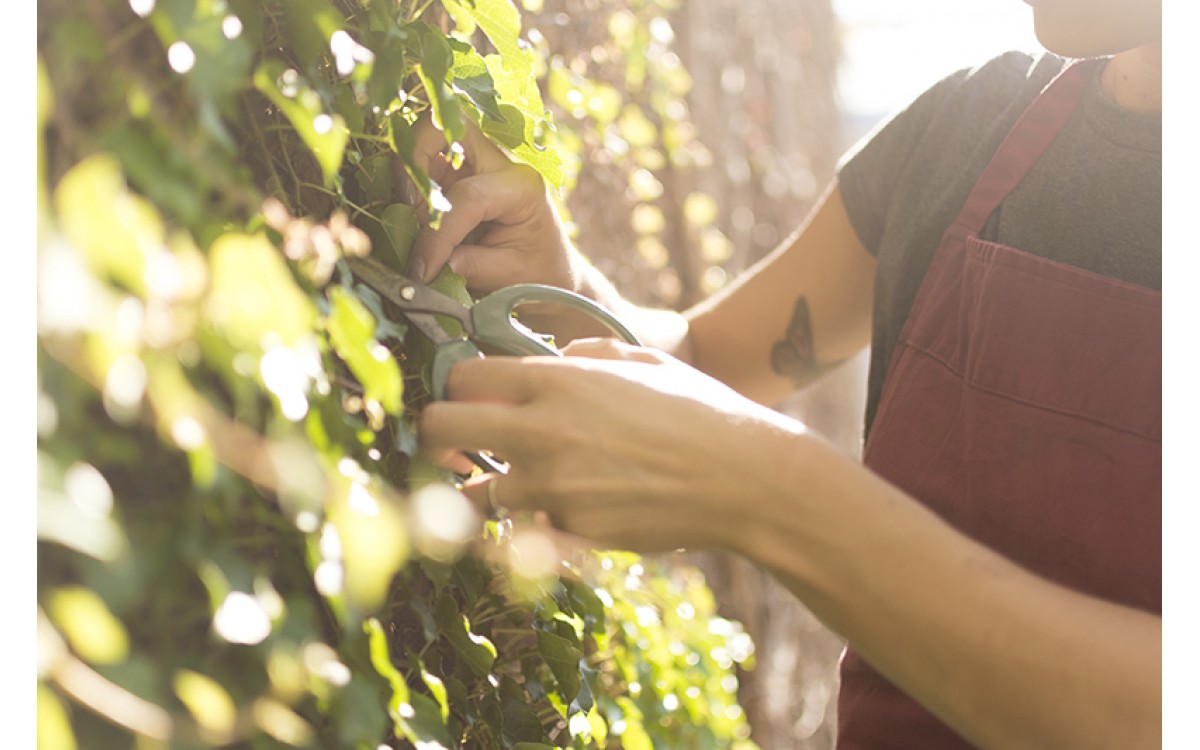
x=502 y=228
x=622 y=445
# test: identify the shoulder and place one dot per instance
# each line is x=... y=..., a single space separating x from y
x=945 y=133
x=1011 y=78
x=974 y=96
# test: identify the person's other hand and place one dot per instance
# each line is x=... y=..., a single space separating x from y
x=623 y=445
x=502 y=228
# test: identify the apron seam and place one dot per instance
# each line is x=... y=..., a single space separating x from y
x=975 y=385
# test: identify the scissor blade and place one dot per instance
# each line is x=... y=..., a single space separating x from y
x=410 y=296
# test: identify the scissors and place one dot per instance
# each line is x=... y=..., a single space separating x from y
x=490 y=322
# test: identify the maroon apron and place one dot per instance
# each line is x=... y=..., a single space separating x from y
x=1023 y=405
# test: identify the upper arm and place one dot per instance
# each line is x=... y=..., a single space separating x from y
x=807 y=305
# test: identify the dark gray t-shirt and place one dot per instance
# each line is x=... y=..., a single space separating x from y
x=1094 y=199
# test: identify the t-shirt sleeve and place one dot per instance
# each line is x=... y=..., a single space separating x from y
x=867 y=174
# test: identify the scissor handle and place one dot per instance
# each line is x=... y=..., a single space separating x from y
x=492 y=318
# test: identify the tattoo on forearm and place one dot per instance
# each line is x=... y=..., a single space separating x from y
x=794 y=356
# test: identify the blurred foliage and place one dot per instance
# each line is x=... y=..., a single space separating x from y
x=237 y=545
x=619 y=92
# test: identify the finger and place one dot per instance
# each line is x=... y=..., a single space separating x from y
x=429 y=149
x=615 y=349
x=499 y=380
x=488 y=268
x=446 y=429
x=493 y=196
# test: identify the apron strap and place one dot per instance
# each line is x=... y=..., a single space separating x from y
x=1029 y=138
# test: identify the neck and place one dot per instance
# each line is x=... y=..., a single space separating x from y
x=1133 y=79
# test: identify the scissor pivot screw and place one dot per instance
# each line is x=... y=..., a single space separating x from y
x=408 y=293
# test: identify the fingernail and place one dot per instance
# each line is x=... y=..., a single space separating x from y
x=416 y=269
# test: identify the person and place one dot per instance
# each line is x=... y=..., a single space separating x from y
x=994 y=562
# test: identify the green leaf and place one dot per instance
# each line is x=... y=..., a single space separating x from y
x=470 y=574
x=403 y=140
x=585 y=602
x=310 y=26
x=381 y=660
x=53 y=721
x=111 y=226
x=584 y=700
x=325 y=134
x=513 y=74
x=518 y=720
x=477 y=651
x=385 y=328
x=436 y=687
x=498 y=19
x=508 y=130
x=389 y=71
x=433 y=70
x=425 y=728
x=401 y=226
x=471 y=76
x=374 y=178
x=352 y=333
x=221 y=63
x=253 y=296
x=563 y=658
x=88 y=624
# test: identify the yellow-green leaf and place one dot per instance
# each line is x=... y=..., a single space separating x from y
x=352 y=332
x=92 y=629
x=113 y=228
x=374 y=541
x=53 y=725
x=253 y=294
x=323 y=132
x=207 y=701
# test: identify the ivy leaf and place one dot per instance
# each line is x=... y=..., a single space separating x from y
x=519 y=722
x=470 y=572
x=221 y=63
x=352 y=333
x=361 y=717
x=436 y=687
x=420 y=608
x=477 y=651
x=433 y=70
x=471 y=76
x=374 y=178
x=585 y=700
x=403 y=140
x=425 y=728
x=562 y=657
x=585 y=601
x=513 y=73
x=389 y=70
x=384 y=327
x=508 y=130
x=325 y=134
x=108 y=223
x=253 y=293
x=498 y=19
x=401 y=227
x=381 y=660
x=310 y=26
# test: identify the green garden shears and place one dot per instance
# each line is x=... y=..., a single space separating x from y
x=490 y=323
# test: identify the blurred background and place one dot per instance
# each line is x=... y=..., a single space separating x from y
x=698 y=135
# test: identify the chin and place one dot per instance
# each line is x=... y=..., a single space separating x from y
x=1068 y=35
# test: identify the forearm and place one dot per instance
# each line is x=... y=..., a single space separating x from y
x=1006 y=658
